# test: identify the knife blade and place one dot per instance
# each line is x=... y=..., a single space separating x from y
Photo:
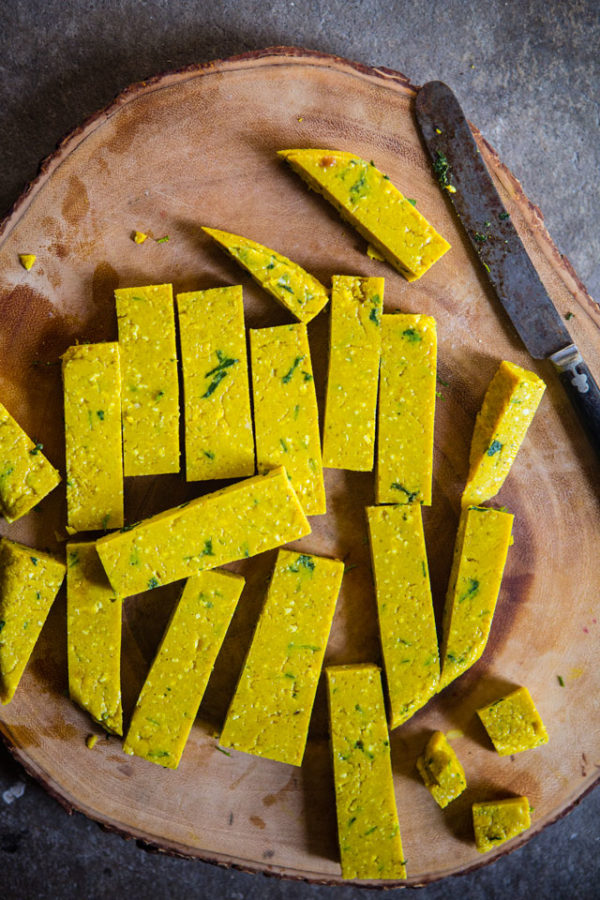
x=463 y=175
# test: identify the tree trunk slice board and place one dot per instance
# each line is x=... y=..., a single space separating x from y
x=197 y=147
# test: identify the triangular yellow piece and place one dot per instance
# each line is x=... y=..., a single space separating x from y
x=288 y=283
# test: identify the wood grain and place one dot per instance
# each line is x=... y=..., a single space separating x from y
x=198 y=148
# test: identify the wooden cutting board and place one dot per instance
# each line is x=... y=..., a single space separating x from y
x=198 y=147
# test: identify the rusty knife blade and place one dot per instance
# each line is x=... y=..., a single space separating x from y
x=461 y=170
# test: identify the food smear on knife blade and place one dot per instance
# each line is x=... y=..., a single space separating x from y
x=367 y=199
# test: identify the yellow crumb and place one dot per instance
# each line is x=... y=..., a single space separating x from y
x=91 y=741
x=139 y=237
x=450 y=188
x=374 y=254
x=27 y=260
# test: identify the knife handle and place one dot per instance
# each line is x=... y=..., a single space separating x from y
x=582 y=390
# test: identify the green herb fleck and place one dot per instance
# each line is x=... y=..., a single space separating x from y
x=284 y=446
x=374 y=315
x=504 y=215
x=219 y=372
x=371 y=830
x=209 y=454
x=153 y=583
x=159 y=395
x=568 y=317
x=100 y=414
x=471 y=590
x=495 y=447
x=351 y=821
x=358 y=707
x=480 y=237
x=2 y=624
x=349 y=568
x=162 y=240
x=288 y=375
x=304 y=561
x=284 y=284
x=311 y=647
x=412 y=335
x=105 y=521
x=208 y=548
x=561 y=680
x=439 y=395
x=220 y=749
x=35 y=450
x=441 y=167
x=34 y=560
x=127 y=528
x=442 y=382
x=158 y=754
x=358 y=745
x=410 y=495
x=73 y=558
x=410 y=200
x=289 y=675
x=307 y=376
x=359 y=189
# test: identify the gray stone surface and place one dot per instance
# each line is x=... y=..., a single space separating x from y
x=528 y=76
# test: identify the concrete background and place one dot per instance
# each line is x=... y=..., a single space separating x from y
x=528 y=76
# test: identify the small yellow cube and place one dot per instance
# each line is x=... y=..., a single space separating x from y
x=441 y=771
x=27 y=260
x=513 y=723
x=497 y=821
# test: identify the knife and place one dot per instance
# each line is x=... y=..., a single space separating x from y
x=464 y=176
